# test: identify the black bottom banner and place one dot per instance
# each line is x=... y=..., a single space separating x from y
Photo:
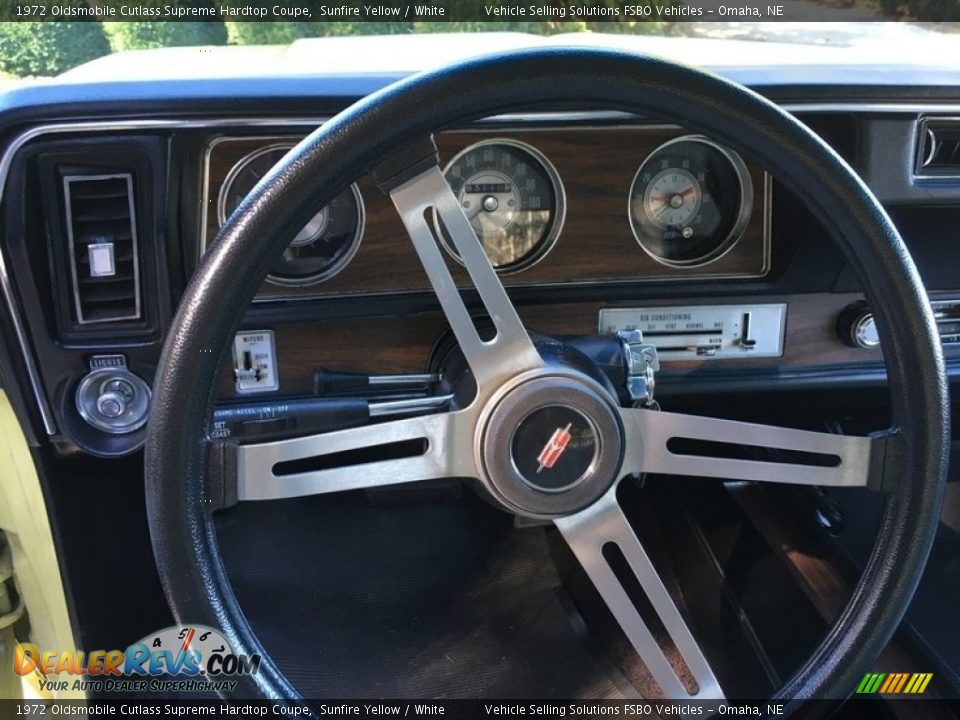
x=857 y=708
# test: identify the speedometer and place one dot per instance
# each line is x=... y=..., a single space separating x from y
x=513 y=198
x=323 y=246
x=690 y=201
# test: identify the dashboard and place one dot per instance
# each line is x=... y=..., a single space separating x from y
x=596 y=222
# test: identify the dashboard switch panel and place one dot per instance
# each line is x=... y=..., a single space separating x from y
x=704 y=332
x=255 y=362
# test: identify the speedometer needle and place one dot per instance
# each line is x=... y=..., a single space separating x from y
x=473 y=211
x=665 y=198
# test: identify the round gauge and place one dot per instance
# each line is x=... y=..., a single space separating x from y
x=513 y=198
x=690 y=201
x=323 y=246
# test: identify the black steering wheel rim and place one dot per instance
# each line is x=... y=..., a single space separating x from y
x=357 y=140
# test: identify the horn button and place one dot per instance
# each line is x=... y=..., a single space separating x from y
x=551 y=445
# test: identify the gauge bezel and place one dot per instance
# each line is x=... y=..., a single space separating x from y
x=744 y=213
x=560 y=205
x=306 y=280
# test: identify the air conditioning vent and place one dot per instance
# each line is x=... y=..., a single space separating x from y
x=939 y=151
x=102 y=238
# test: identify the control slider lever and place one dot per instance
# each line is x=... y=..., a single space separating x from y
x=272 y=420
x=747 y=342
x=332 y=383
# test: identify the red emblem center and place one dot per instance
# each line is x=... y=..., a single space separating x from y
x=554 y=448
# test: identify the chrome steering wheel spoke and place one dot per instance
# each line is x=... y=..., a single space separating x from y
x=678 y=444
x=418 y=448
x=590 y=534
x=510 y=352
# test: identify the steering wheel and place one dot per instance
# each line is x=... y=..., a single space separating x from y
x=389 y=135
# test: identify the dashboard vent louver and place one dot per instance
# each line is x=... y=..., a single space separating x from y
x=939 y=150
x=102 y=238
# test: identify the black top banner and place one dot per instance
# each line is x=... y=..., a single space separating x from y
x=517 y=13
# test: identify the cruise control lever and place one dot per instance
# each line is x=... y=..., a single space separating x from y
x=272 y=420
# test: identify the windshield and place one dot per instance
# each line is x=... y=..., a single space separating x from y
x=53 y=37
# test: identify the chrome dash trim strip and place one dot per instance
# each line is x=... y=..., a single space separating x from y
x=907 y=108
x=33 y=374
x=791 y=107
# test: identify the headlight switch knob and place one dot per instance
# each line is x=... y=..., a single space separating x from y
x=114 y=400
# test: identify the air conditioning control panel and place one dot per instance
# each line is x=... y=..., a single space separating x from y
x=704 y=332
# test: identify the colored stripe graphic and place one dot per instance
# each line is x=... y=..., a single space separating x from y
x=871 y=683
x=894 y=683
x=913 y=682
x=891 y=680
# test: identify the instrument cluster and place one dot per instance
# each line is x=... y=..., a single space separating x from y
x=689 y=203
